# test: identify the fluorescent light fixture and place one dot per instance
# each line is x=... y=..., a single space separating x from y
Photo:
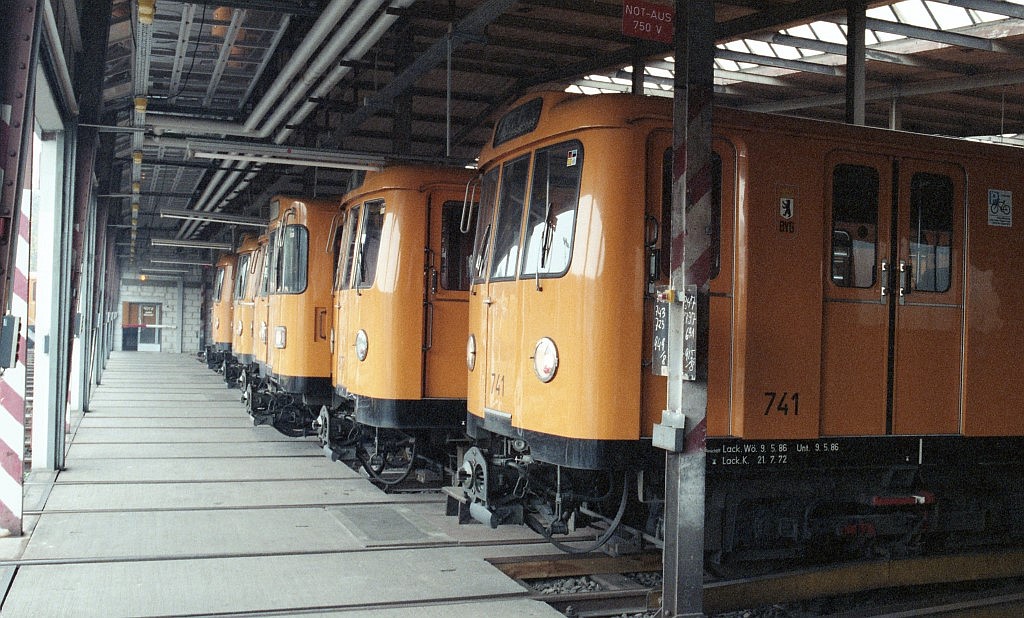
x=191 y=244
x=182 y=262
x=344 y=165
x=164 y=270
x=215 y=217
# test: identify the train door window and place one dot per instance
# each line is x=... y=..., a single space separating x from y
x=854 y=225
x=511 y=201
x=294 y=259
x=931 y=231
x=350 y=241
x=455 y=247
x=242 y=278
x=551 y=222
x=485 y=224
x=369 y=243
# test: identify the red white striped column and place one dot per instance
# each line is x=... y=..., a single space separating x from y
x=12 y=391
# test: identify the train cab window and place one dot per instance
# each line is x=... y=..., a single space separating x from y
x=242 y=279
x=455 y=247
x=268 y=260
x=931 y=231
x=218 y=285
x=271 y=266
x=554 y=195
x=511 y=201
x=854 y=225
x=665 y=227
x=369 y=243
x=294 y=260
x=484 y=225
x=350 y=242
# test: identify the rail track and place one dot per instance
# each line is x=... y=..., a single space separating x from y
x=987 y=584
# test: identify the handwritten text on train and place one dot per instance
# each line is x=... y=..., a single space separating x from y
x=648 y=21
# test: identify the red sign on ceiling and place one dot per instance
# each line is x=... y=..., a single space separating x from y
x=648 y=21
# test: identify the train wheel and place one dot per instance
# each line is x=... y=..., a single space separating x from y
x=389 y=458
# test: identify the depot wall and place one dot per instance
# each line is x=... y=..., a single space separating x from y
x=181 y=324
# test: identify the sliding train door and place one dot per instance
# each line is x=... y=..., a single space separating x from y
x=893 y=297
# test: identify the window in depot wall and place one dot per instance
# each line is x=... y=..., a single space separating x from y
x=854 y=225
x=931 y=231
x=456 y=246
x=511 y=202
x=551 y=222
x=369 y=243
x=349 y=243
x=294 y=259
x=484 y=225
x=242 y=276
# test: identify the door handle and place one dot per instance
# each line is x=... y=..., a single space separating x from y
x=885 y=279
x=904 y=280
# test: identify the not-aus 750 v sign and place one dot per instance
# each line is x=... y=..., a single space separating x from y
x=648 y=21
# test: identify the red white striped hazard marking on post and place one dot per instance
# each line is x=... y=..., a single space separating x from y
x=12 y=395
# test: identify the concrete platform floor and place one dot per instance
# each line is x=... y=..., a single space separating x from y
x=173 y=504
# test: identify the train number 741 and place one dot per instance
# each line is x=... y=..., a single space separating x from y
x=784 y=403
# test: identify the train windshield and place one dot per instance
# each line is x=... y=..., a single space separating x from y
x=293 y=258
x=349 y=243
x=369 y=244
x=511 y=201
x=554 y=195
x=242 y=279
x=485 y=221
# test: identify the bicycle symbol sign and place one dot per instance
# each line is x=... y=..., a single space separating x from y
x=1000 y=208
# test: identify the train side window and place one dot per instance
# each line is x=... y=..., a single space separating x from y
x=369 y=243
x=931 y=231
x=511 y=201
x=854 y=225
x=455 y=247
x=294 y=259
x=484 y=225
x=551 y=222
x=242 y=279
x=345 y=272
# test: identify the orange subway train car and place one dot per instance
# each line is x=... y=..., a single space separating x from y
x=864 y=306
x=243 y=312
x=218 y=352
x=400 y=302
x=297 y=372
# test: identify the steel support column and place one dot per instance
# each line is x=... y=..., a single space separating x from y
x=682 y=429
x=856 y=50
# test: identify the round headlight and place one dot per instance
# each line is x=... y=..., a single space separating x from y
x=263 y=332
x=362 y=345
x=471 y=352
x=545 y=359
x=216 y=322
x=332 y=340
x=238 y=327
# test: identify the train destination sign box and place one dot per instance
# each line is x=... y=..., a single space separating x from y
x=644 y=20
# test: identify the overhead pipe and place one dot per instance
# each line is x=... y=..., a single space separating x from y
x=356 y=52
